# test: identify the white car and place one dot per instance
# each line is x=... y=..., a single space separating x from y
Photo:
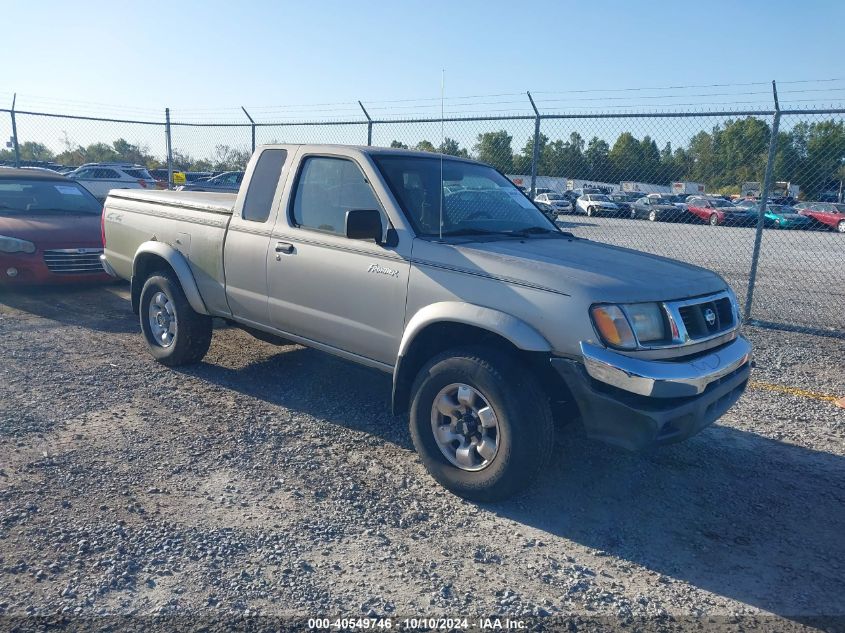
x=100 y=178
x=596 y=204
x=554 y=203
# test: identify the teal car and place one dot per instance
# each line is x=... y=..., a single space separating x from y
x=781 y=216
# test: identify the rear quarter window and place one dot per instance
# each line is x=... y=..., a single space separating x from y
x=262 y=185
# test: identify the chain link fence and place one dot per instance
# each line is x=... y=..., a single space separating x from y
x=685 y=185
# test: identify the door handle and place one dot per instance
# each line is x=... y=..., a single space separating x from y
x=284 y=247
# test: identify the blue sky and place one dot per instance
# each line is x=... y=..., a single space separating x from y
x=315 y=59
x=201 y=56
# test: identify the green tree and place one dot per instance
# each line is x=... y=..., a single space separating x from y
x=495 y=149
x=451 y=147
x=597 y=159
x=398 y=144
x=626 y=158
x=425 y=146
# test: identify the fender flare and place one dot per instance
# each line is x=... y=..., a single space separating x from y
x=518 y=332
x=180 y=266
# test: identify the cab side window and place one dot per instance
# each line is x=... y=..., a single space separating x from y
x=262 y=185
x=326 y=189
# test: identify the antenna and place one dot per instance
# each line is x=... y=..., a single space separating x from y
x=442 y=144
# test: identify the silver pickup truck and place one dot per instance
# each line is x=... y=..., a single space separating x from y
x=438 y=270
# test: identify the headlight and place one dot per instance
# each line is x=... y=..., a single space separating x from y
x=626 y=326
x=14 y=245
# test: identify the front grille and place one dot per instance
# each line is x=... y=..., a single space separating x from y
x=74 y=261
x=708 y=318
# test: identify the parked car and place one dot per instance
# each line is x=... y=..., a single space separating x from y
x=484 y=313
x=782 y=216
x=554 y=203
x=671 y=198
x=596 y=204
x=656 y=210
x=227 y=182
x=100 y=178
x=830 y=214
x=623 y=201
x=801 y=206
x=717 y=210
x=49 y=229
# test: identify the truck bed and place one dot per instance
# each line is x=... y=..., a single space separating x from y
x=222 y=203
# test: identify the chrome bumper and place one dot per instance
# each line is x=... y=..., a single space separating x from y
x=106 y=266
x=664 y=379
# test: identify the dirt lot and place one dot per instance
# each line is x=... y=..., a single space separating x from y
x=273 y=480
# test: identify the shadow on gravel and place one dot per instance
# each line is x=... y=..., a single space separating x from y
x=96 y=307
x=319 y=385
x=730 y=512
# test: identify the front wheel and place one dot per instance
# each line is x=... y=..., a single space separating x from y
x=633 y=214
x=714 y=219
x=652 y=216
x=840 y=228
x=482 y=427
x=174 y=332
x=590 y=212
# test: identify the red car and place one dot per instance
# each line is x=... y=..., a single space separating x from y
x=830 y=214
x=717 y=211
x=50 y=230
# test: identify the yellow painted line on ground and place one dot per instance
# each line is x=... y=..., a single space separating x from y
x=794 y=391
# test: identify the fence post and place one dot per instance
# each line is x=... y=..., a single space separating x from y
x=169 y=147
x=761 y=209
x=535 y=155
x=15 y=133
x=252 y=125
x=369 y=124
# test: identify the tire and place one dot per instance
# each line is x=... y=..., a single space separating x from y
x=840 y=228
x=633 y=214
x=713 y=220
x=524 y=432
x=590 y=212
x=652 y=216
x=181 y=336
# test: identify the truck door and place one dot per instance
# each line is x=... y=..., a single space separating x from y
x=348 y=294
x=248 y=238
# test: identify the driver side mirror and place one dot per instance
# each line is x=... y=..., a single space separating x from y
x=365 y=224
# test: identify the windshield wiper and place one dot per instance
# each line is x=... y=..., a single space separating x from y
x=468 y=232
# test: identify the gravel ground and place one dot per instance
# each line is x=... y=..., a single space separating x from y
x=273 y=480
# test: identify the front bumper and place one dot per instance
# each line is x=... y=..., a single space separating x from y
x=30 y=269
x=637 y=404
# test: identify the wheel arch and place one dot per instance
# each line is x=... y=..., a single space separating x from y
x=152 y=256
x=444 y=325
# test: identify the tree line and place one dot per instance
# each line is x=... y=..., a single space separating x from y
x=810 y=155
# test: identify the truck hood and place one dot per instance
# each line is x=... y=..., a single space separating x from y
x=579 y=267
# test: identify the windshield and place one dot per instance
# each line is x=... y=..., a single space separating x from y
x=719 y=202
x=840 y=208
x=555 y=196
x=475 y=198
x=22 y=197
x=599 y=198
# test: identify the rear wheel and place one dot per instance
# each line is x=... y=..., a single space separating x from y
x=590 y=212
x=174 y=332
x=714 y=219
x=652 y=216
x=841 y=227
x=482 y=427
x=633 y=214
